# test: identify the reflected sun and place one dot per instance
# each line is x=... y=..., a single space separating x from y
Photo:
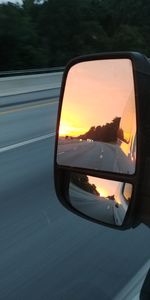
x=66 y=129
x=103 y=192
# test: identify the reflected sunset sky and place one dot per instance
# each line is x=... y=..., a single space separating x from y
x=96 y=92
x=104 y=187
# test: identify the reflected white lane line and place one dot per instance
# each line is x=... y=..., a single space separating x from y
x=60 y=153
x=101 y=153
x=27 y=142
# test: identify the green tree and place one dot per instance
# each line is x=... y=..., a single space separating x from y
x=49 y=33
x=18 y=39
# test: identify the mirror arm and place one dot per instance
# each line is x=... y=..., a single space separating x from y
x=145 y=291
x=143 y=209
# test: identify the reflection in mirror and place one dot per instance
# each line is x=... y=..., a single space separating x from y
x=98 y=119
x=104 y=200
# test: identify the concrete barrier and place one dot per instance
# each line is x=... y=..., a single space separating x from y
x=35 y=96
x=29 y=83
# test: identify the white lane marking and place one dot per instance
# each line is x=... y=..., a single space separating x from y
x=14 y=146
x=25 y=107
x=60 y=153
x=101 y=153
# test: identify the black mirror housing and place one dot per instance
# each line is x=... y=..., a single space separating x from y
x=139 y=206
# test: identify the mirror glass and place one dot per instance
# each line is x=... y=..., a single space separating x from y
x=98 y=118
x=104 y=200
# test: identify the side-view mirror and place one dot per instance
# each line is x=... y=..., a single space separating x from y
x=102 y=151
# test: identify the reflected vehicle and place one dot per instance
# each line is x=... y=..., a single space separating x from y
x=122 y=199
x=127 y=133
x=101 y=112
x=101 y=199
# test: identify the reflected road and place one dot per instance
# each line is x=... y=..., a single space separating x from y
x=91 y=205
x=93 y=155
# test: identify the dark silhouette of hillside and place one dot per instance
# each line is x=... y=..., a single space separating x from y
x=106 y=133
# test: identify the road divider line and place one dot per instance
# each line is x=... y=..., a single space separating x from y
x=27 y=107
x=24 y=143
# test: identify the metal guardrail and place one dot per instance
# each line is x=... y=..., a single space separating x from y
x=31 y=71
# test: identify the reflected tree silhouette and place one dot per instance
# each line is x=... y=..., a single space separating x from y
x=106 y=133
x=82 y=182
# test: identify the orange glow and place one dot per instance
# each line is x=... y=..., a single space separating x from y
x=128 y=125
x=65 y=129
x=104 y=187
x=70 y=129
x=118 y=201
x=96 y=92
x=103 y=192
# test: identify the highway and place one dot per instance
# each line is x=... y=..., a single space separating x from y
x=45 y=251
x=93 y=155
x=91 y=205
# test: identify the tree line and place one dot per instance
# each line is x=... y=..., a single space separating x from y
x=49 y=33
x=107 y=133
x=82 y=181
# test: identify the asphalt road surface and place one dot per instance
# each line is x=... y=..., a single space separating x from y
x=45 y=251
x=94 y=155
x=91 y=205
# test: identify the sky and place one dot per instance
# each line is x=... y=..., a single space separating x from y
x=104 y=187
x=96 y=92
x=107 y=187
